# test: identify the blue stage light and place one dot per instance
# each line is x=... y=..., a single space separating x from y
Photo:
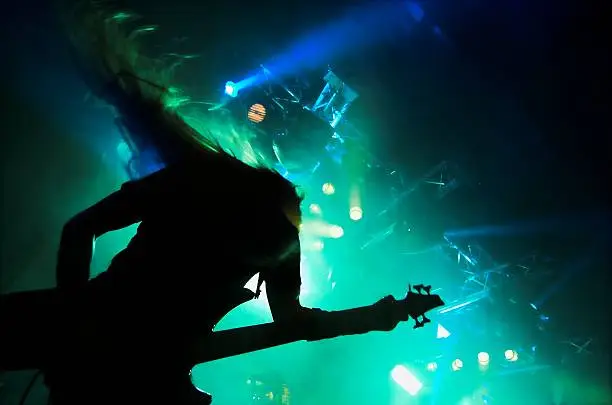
x=231 y=89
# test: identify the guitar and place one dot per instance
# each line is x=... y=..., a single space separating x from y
x=383 y=315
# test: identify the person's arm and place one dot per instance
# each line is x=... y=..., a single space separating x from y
x=283 y=290
x=119 y=210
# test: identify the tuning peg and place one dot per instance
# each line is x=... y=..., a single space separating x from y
x=409 y=287
x=418 y=288
x=426 y=319
x=427 y=289
x=418 y=324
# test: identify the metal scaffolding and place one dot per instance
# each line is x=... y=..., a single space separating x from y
x=334 y=100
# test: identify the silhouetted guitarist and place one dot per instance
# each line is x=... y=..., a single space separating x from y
x=208 y=223
x=201 y=237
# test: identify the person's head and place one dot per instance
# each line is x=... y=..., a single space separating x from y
x=285 y=195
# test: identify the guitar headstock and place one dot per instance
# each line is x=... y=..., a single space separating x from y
x=418 y=302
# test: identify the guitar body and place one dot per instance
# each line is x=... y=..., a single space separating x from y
x=101 y=372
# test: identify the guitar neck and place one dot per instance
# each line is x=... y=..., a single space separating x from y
x=233 y=342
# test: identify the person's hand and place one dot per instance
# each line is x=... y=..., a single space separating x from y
x=388 y=314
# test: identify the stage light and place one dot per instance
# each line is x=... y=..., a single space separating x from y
x=231 y=89
x=433 y=366
x=356 y=213
x=442 y=332
x=257 y=113
x=314 y=209
x=457 y=365
x=511 y=355
x=328 y=189
x=405 y=379
x=483 y=358
x=336 y=231
x=318 y=245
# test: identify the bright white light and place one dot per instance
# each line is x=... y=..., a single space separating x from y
x=511 y=355
x=318 y=245
x=457 y=365
x=315 y=209
x=443 y=333
x=328 y=189
x=231 y=89
x=356 y=213
x=406 y=380
x=483 y=358
x=336 y=231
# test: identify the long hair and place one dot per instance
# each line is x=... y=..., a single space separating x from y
x=106 y=47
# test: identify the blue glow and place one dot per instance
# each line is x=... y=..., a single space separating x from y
x=415 y=11
x=359 y=28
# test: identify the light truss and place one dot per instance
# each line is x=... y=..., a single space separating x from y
x=436 y=172
x=476 y=264
x=289 y=95
x=446 y=179
x=334 y=100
